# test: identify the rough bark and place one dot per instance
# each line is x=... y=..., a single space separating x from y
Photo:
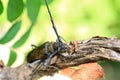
x=91 y=50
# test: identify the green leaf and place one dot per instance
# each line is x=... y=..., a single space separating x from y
x=1 y=7
x=22 y=40
x=11 y=33
x=12 y=58
x=14 y=9
x=33 y=7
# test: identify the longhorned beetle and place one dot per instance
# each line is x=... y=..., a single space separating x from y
x=47 y=50
x=42 y=52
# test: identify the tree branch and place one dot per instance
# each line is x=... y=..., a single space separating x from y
x=91 y=50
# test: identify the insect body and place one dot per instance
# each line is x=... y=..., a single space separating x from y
x=36 y=53
x=42 y=52
x=43 y=55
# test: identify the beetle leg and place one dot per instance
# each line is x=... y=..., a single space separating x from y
x=49 y=49
x=34 y=63
x=36 y=70
x=46 y=63
x=46 y=48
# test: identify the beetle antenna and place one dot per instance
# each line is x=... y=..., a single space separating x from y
x=53 y=24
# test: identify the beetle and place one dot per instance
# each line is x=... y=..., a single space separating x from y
x=42 y=52
x=45 y=52
x=48 y=48
x=43 y=55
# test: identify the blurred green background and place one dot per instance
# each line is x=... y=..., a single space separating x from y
x=26 y=22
